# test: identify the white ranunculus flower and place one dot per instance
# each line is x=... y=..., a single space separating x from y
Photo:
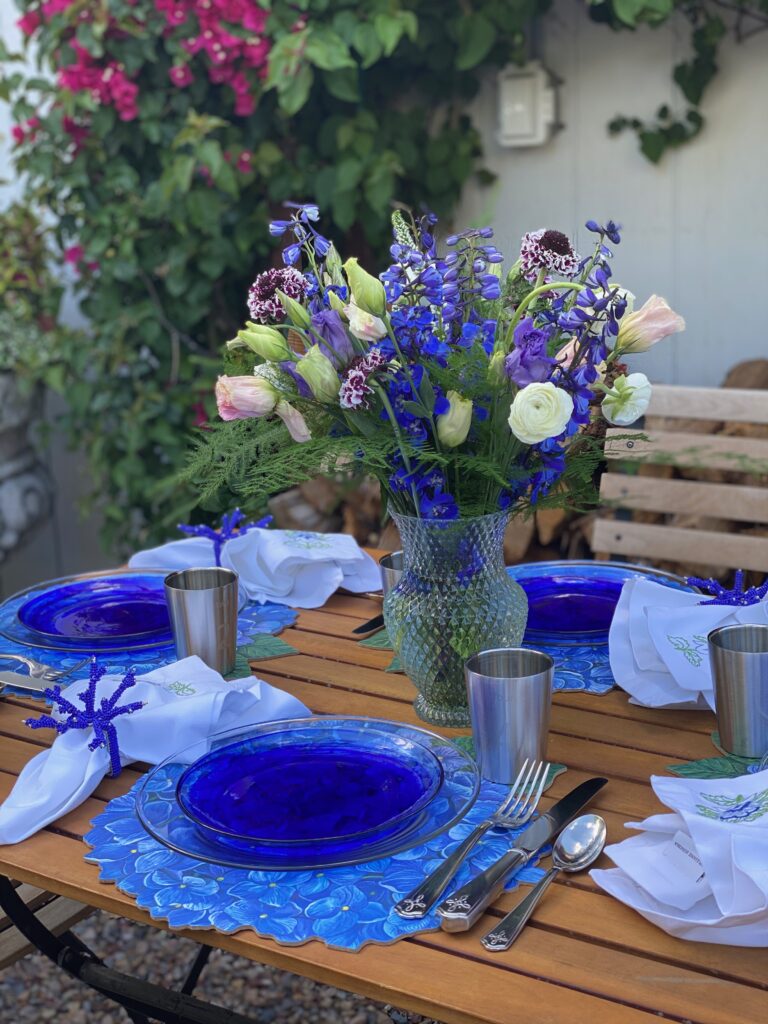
x=540 y=411
x=627 y=400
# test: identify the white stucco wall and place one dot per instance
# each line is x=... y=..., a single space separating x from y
x=695 y=226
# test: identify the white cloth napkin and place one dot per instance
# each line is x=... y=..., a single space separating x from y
x=184 y=703
x=658 y=643
x=292 y=567
x=701 y=872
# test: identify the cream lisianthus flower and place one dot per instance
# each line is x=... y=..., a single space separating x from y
x=539 y=411
x=641 y=329
x=627 y=400
x=319 y=373
x=364 y=325
x=453 y=426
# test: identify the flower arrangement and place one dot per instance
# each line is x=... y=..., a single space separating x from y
x=463 y=387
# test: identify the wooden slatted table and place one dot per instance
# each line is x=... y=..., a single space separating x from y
x=584 y=957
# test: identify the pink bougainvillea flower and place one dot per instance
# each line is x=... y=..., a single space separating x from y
x=244 y=161
x=74 y=254
x=29 y=22
x=181 y=75
x=53 y=7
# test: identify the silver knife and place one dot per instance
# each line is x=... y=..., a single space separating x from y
x=368 y=627
x=462 y=908
x=29 y=684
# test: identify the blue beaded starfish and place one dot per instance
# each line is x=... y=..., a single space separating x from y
x=99 y=718
x=231 y=525
x=736 y=596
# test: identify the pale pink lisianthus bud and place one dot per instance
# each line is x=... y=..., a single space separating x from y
x=640 y=330
x=241 y=398
x=566 y=354
x=294 y=421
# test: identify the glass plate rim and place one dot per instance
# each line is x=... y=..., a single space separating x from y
x=60 y=636
x=577 y=638
x=411 y=812
x=92 y=647
x=373 y=852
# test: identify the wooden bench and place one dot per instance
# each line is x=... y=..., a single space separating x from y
x=56 y=912
x=717 y=440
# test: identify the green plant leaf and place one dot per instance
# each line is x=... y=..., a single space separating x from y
x=295 y=95
x=379 y=641
x=328 y=51
x=477 y=36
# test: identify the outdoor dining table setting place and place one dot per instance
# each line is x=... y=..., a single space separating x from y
x=257 y=813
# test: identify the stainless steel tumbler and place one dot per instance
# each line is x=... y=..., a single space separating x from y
x=391 y=567
x=203 y=608
x=739 y=658
x=510 y=696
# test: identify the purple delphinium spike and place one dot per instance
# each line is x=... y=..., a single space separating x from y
x=230 y=527
x=89 y=716
x=736 y=596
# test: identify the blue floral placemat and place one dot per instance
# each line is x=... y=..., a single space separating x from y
x=584 y=668
x=344 y=907
x=257 y=626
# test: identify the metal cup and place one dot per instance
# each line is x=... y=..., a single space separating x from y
x=510 y=696
x=739 y=659
x=203 y=608
x=391 y=567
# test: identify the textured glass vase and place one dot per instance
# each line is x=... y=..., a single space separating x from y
x=453 y=600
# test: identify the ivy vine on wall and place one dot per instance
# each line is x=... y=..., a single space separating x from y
x=711 y=22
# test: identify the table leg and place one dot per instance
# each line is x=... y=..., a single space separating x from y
x=141 y=1000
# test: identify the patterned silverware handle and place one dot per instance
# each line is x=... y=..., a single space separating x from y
x=419 y=900
x=508 y=929
x=462 y=908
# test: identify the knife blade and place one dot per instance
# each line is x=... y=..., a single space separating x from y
x=368 y=627
x=30 y=684
x=462 y=908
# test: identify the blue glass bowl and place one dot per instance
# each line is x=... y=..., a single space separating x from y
x=105 y=608
x=14 y=629
x=160 y=812
x=573 y=602
x=320 y=782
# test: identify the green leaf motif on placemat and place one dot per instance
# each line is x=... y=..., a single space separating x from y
x=379 y=641
x=727 y=766
x=261 y=648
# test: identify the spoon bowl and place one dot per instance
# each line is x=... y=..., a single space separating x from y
x=578 y=845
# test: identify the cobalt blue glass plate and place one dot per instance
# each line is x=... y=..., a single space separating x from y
x=104 y=608
x=328 y=782
x=13 y=628
x=573 y=602
x=282 y=846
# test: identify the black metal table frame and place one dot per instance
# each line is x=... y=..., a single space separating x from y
x=142 y=1000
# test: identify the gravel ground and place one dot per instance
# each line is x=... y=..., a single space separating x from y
x=33 y=990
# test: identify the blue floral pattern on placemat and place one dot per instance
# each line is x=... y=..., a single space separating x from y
x=344 y=907
x=252 y=620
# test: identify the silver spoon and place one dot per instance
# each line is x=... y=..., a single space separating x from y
x=577 y=846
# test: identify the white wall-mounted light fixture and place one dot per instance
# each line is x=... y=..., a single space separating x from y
x=527 y=105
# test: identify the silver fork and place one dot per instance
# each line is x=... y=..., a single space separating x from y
x=515 y=810
x=40 y=671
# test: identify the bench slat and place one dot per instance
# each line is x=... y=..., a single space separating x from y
x=688 y=497
x=740 y=405
x=702 y=547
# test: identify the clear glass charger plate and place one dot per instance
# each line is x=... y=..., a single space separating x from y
x=572 y=602
x=129 y=584
x=163 y=817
